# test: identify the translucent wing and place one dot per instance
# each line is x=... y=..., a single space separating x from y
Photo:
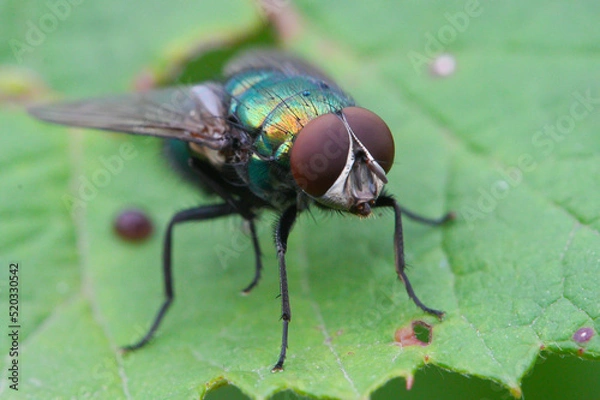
x=278 y=61
x=189 y=113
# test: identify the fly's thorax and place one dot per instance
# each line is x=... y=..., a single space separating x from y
x=341 y=159
x=263 y=98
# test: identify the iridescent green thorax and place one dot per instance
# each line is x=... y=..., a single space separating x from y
x=273 y=107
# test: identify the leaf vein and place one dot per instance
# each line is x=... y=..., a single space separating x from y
x=305 y=282
x=82 y=245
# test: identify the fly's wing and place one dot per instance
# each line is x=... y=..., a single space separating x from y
x=190 y=113
x=277 y=61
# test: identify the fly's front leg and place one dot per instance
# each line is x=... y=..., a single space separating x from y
x=282 y=231
x=387 y=201
x=192 y=214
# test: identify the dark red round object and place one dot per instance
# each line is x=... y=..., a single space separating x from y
x=133 y=225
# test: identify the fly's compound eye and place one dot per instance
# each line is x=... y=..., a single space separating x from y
x=373 y=133
x=319 y=154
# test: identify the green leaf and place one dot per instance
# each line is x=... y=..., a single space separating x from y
x=508 y=141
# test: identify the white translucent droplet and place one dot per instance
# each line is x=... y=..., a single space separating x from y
x=443 y=65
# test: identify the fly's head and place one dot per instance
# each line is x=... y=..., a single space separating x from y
x=341 y=159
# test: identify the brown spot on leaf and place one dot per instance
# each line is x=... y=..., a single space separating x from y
x=418 y=333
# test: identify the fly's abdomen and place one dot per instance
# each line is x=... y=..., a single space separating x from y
x=273 y=107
